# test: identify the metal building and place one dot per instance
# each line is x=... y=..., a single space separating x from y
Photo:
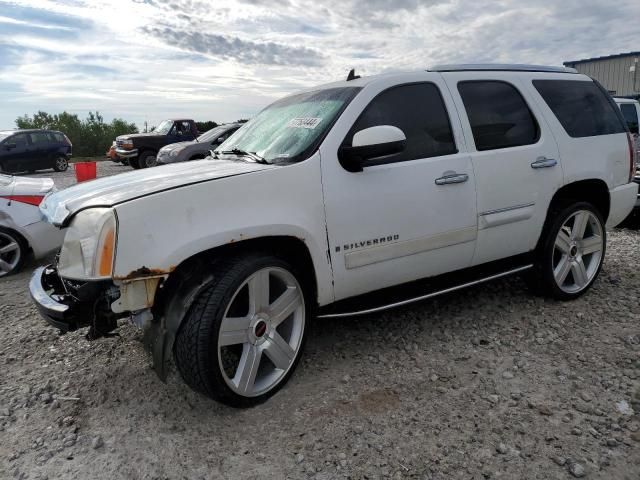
x=620 y=74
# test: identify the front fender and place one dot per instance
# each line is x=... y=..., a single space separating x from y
x=158 y=232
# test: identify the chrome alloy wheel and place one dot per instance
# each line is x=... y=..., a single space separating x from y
x=577 y=253
x=10 y=254
x=261 y=333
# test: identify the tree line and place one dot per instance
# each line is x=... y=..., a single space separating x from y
x=91 y=136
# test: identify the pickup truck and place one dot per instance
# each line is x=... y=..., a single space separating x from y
x=141 y=149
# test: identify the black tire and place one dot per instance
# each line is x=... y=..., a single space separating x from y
x=196 y=347
x=542 y=277
x=61 y=164
x=7 y=236
x=133 y=162
x=147 y=159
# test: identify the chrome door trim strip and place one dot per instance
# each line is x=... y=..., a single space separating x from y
x=425 y=297
x=506 y=209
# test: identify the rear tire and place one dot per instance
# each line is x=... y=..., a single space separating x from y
x=571 y=252
x=243 y=336
x=13 y=252
x=60 y=164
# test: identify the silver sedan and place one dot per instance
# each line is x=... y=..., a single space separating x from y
x=198 y=148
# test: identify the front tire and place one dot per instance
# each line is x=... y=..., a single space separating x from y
x=243 y=335
x=134 y=163
x=147 y=160
x=573 y=250
x=13 y=251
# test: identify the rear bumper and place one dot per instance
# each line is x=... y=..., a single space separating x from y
x=623 y=199
x=126 y=153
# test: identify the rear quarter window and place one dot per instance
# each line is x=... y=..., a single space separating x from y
x=630 y=115
x=581 y=107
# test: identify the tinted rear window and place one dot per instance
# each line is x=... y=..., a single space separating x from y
x=499 y=116
x=581 y=107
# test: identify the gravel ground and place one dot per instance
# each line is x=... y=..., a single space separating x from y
x=486 y=383
x=68 y=178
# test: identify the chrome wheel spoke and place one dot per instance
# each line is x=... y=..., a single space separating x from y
x=579 y=273
x=284 y=306
x=590 y=245
x=563 y=242
x=247 y=369
x=5 y=267
x=11 y=247
x=279 y=351
x=259 y=292
x=234 y=331
x=579 y=225
x=562 y=270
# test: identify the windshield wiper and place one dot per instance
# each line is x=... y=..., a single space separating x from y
x=241 y=153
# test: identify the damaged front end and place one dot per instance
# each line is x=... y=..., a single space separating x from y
x=69 y=305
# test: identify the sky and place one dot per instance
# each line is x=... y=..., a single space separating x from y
x=145 y=60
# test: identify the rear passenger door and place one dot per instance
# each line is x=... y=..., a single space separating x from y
x=515 y=160
x=43 y=149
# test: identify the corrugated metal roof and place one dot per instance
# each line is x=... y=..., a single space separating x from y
x=571 y=63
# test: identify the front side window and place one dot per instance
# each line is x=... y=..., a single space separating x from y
x=290 y=129
x=630 y=115
x=581 y=107
x=499 y=116
x=20 y=140
x=419 y=111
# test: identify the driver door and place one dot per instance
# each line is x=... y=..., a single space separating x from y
x=397 y=220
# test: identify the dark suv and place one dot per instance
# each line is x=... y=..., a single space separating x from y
x=31 y=150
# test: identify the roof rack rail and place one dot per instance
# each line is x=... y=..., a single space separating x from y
x=506 y=67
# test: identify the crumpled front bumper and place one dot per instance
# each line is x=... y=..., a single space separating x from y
x=63 y=307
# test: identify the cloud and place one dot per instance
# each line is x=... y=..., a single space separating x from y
x=223 y=60
x=235 y=48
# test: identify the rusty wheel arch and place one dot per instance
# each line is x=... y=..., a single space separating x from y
x=175 y=295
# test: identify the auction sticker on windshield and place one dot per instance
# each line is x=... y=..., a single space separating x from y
x=304 y=122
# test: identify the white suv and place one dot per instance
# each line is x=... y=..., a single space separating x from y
x=345 y=199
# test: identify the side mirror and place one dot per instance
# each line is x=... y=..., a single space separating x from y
x=10 y=146
x=372 y=146
x=220 y=140
x=633 y=128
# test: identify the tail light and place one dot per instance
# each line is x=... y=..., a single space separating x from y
x=633 y=157
x=34 y=200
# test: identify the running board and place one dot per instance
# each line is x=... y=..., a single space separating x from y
x=426 y=296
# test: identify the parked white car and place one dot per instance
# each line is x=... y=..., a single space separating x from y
x=339 y=201
x=22 y=225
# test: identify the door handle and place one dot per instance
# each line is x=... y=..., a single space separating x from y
x=544 y=162
x=453 y=178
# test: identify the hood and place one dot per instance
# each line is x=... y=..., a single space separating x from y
x=139 y=135
x=173 y=146
x=25 y=185
x=107 y=192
